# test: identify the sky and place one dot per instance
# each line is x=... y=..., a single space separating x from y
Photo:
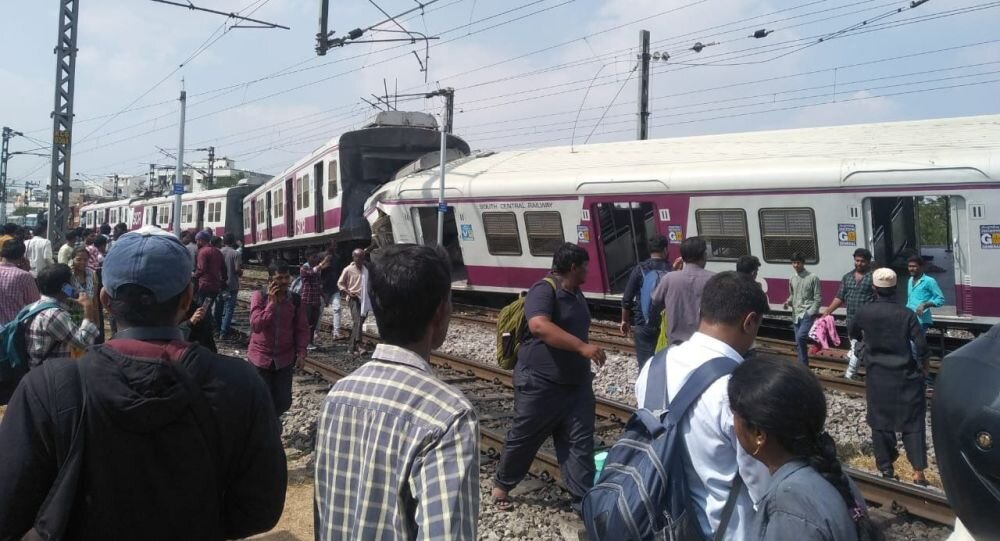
x=526 y=73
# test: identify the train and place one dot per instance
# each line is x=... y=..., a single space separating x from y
x=824 y=192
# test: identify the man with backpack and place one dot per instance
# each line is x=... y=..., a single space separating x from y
x=637 y=300
x=732 y=309
x=51 y=332
x=146 y=436
x=279 y=334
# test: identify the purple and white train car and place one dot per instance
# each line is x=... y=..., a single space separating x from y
x=821 y=191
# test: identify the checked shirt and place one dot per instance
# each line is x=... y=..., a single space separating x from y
x=53 y=331
x=397 y=455
x=855 y=293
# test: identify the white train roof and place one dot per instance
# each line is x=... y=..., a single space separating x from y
x=910 y=152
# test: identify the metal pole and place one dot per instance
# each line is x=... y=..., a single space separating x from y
x=643 y=129
x=179 y=176
x=442 y=207
x=4 y=156
x=449 y=105
x=62 y=122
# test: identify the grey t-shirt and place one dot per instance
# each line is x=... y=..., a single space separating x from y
x=568 y=310
x=800 y=504
x=231 y=261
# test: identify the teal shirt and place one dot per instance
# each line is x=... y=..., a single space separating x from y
x=925 y=290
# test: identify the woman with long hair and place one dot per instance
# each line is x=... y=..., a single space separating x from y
x=779 y=411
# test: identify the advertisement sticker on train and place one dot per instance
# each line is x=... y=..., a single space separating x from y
x=847 y=234
x=582 y=234
x=989 y=237
x=467 y=232
x=675 y=234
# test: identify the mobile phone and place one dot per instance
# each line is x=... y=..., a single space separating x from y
x=69 y=291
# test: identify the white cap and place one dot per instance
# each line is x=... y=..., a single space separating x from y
x=884 y=278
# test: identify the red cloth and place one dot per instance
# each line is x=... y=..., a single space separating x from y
x=278 y=331
x=209 y=269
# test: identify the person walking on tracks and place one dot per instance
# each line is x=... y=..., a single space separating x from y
x=312 y=290
x=637 y=300
x=397 y=450
x=804 y=299
x=855 y=291
x=279 y=334
x=679 y=293
x=353 y=284
x=895 y=379
x=779 y=411
x=209 y=271
x=922 y=292
x=553 y=384
x=732 y=309
x=146 y=436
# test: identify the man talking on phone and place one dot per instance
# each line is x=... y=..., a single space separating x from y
x=279 y=334
x=52 y=331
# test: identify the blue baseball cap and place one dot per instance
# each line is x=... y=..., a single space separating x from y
x=148 y=257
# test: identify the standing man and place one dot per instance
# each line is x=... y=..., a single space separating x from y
x=234 y=270
x=312 y=291
x=679 y=293
x=922 y=292
x=146 y=436
x=97 y=247
x=732 y=309
x=331 y=293
x=17 y=286
x=397 y=450
x=895 y=378
x=209 y=272
x=553 y=384
x=66 y=251
x=637 y=300
x=353 y=284
x=279 y=334
x=855 y=291
x=187 y=238
x=38 y=249
x=804 y=299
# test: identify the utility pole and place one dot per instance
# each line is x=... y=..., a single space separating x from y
x=115 y=194
x=447 y=123
x=211 y=165
x=8 y=134
x=643 y=129
x=62 y=121
x=179 y=176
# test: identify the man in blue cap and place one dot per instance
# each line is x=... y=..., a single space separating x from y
x=146 y=436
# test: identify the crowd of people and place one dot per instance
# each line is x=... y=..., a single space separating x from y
x=153 y=434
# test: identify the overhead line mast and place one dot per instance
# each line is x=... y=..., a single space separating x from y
x=62 y=121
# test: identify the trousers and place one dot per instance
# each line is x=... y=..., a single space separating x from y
x=853 y=360
x=357 y=321
x=224 y=309
x=543 y=409
x=279 y=383
x=645 y=337
x=333 y=301
x=915 y=444
x=802 y=338
x=313 y=312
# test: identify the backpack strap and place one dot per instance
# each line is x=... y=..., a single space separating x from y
x=727 y=510
x=701 y=379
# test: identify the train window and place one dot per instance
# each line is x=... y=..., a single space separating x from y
x=187 y=213
x=545 y=232
x=302 y=192
x=725 y=232
x=786 y=231
x=163 y=216
x=502 y=236
x=279 y=203
x=261 y=212
x=215 y=211
x=331 y=180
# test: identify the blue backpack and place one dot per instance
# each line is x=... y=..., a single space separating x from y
x=650 y=279
x=13 y=348
x=643 y=491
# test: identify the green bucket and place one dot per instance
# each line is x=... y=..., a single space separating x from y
x=599 y=459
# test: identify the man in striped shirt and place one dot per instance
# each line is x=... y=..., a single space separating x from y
x=397 y=454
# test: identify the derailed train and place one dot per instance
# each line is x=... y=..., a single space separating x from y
x=821 y=191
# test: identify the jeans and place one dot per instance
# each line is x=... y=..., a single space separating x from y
x=802 y=338
x=852 y=358
x=313 y=312
x=645 y=342
x=333 y=301
x=223 y=310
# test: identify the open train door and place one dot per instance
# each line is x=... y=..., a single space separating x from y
x=623 y=232
x=958 y=222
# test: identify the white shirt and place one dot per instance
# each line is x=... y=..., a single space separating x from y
x=711 y=440
x=38 y=250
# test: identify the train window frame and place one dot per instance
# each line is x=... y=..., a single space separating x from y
x=533 y=236
x=485 y=217
x=746 y=232
x=278 y=201
x=187 y=213
x=261 y=207
x=333 y=175
x=813 y=238
x=302 y=192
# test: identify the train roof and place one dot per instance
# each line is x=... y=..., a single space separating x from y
x=801 y=158
x=105 y=205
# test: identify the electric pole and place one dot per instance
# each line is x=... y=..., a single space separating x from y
x=643 y=129
x=211 y=165
x=62 y=121
x=179 y=175
x=447 y=123
x=8 y=134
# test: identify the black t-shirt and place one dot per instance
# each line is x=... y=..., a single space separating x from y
x=568 y=310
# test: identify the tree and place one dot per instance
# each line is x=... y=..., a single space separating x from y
x=934 y=215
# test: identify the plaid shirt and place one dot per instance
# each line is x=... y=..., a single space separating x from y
x=52 y=332
x=397 y=455
x=854 y=293
x=312 y=289
x=17 y=290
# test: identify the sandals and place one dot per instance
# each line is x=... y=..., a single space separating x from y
x=503 y=503
x=921 y=482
